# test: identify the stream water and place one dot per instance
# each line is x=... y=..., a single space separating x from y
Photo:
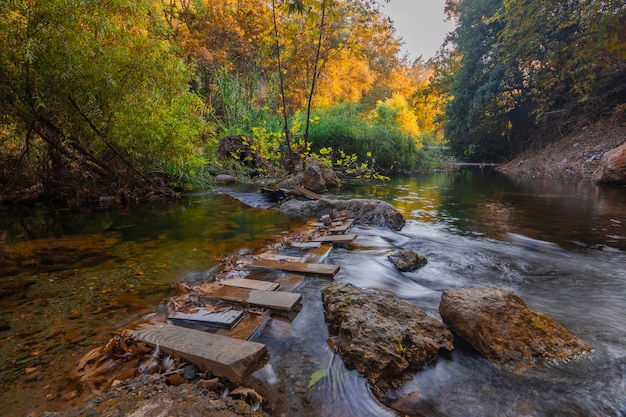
x=77 y=276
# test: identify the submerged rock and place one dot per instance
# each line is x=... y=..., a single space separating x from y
x=382 y=336
x=376 y=212
x=498 y=323
x=407 y=260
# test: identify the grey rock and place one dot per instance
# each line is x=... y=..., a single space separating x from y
x=375 y=212
x=316 y=177
x=383 y=337
x=407 y=260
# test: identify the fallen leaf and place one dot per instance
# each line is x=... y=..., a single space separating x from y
x=210 y=384
x=317 y=375
x=248 y=393
x=175 y=380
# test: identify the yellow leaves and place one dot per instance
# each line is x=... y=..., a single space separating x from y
x=311 y=19
x=345 y=78
x=396 y=111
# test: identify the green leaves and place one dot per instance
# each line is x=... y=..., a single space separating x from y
x=97 y=94
x=521 y=61
x=317 y=376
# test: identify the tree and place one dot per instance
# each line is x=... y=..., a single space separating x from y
x=564 y=52
x=528 y=69
x=92 y=100
x=308 y=35
x=476 y=118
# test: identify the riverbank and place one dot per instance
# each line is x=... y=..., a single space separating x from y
x=575 y=157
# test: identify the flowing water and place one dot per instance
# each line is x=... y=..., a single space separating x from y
x=117 y=264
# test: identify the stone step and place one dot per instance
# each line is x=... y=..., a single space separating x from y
x=274 y=300
x=227 y=357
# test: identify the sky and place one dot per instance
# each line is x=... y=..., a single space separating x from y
x=421 y=24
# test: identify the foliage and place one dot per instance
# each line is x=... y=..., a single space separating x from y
x=384 y=143
x=395 y=112
x=241 y=105
x=523 y=68
x=90 y=94
x=129 y=98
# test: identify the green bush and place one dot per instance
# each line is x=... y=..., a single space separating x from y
x=342 y=127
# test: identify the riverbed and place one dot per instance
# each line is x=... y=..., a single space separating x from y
x=87 y=273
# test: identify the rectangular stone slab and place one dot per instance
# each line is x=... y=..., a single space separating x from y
x=280 y=258
x=304 y=245
x=349 y=238
x=248 y=327
x=339 y=227
x=318 y=254
x=252 y=284
x=289 y=281
x=305 y=268
x=225 y=319
x=234 y=359
x=275 y=300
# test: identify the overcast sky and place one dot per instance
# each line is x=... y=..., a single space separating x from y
x=421 y=24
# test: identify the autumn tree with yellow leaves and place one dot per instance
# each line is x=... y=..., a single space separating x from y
x=129 y=98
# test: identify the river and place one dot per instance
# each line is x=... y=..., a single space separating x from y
x=87 y=273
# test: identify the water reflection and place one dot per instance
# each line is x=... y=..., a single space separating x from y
x=484 y=203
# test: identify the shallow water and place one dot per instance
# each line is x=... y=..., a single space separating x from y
x=124 y=260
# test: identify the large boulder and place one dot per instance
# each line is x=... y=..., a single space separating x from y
x=382 y=336
x=375 y=212
x=498 y=323
x=612 y=168
x=316 y=177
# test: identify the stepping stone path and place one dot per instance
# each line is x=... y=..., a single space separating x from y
x=233 y=310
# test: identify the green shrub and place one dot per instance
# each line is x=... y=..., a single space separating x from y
x=342 y=127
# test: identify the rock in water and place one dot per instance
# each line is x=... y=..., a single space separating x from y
x=407 y=260
x=316 y=177
x=383 y=337
x=498 y=323
x=376 y=212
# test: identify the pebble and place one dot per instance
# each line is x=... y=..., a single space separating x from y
x=190 y=372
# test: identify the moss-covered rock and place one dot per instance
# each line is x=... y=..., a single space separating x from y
x=383 y=337
x=498 y=323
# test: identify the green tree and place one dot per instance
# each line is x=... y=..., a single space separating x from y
x=531 y=70
x=565 y=54
x=93 y=101
x=476 y=125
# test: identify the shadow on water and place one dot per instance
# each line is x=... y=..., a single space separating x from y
x=117 y=264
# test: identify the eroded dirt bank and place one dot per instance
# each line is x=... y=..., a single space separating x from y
x=576 y=156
